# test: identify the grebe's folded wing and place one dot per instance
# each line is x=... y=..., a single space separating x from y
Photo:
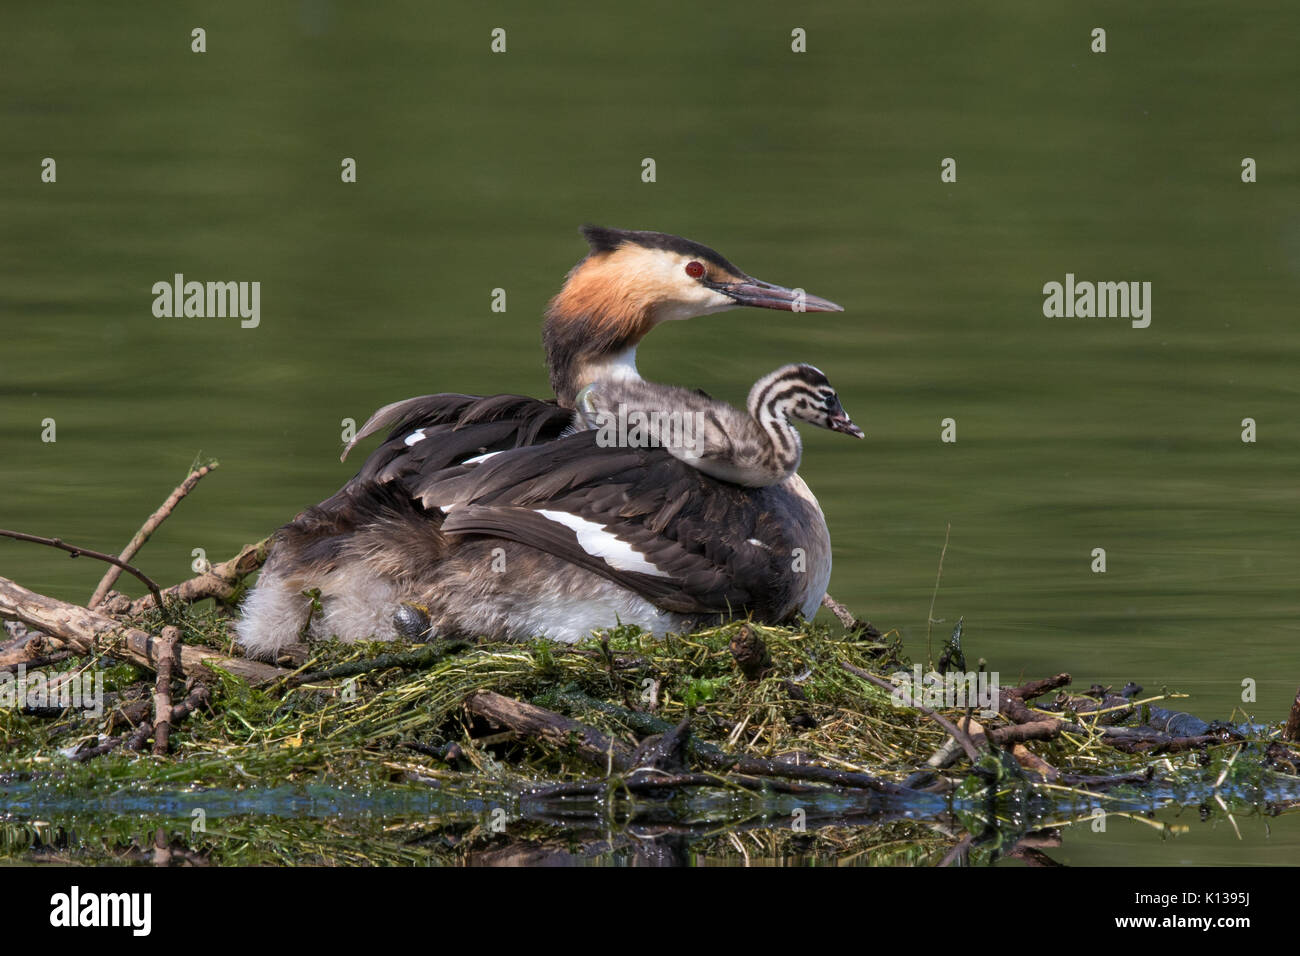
x=433 y=432
x=637 y=516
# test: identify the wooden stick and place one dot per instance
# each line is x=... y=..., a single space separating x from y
x=148 y=528
x=1162 y=743
x=23 y=649
x=556 y=729
x=842 y=613
x=220 y=581
x=1011 y=701
x=35 y=662
x=138 y=737
x=1031 y=761
x=846 y=617
x=162 y=692
x=99 y=750
x=90 y=632
x=1018 y=733
x=196 y=699
x=76 y=552
x=1037 y=688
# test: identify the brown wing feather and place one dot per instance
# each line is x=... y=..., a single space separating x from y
x=697 y=530
x=456 y=427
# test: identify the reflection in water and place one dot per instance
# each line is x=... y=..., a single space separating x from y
x=453 y=824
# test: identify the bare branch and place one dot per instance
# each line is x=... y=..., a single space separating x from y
x=76 y=552
x=90 y=632
x=148 y=528
x=220 y=581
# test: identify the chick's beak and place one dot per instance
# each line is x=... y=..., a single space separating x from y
x=840 y=422
x=765 y=295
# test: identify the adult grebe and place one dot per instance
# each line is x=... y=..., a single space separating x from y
x=482 y=512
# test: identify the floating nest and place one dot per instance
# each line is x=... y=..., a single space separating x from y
x=743 y=739
x=133 y=731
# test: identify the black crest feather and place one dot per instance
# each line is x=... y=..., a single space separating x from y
x=604 y=239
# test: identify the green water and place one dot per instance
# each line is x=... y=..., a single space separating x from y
x=820 y=170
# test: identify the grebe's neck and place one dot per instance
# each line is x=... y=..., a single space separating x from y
x=770 y=402
x=619 y=367
x=592 y=329
x=576 y=364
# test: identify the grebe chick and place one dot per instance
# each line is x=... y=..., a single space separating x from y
x=755 y=448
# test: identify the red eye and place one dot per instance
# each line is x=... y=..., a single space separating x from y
x=695 y=269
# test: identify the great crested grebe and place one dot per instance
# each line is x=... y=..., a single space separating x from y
x=486 y=514
x=755 y=448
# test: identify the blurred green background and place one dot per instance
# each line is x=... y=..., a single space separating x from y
x=820 y=170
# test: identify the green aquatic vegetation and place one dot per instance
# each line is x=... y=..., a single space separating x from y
x=366 y=753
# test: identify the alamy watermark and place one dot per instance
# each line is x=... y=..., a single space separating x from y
x=81 y=691
x=208 y=300
x=133 y=911
x=953 y=690
x=638 y=428
x=1103 y=300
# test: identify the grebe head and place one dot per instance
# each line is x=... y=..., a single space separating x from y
x=631 y=281
x=801 y=393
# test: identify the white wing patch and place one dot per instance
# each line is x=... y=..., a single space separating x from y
x=600 y=543
x=479 y=458
x=415 y=436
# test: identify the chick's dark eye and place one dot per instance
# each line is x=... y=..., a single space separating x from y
x=695 y=269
